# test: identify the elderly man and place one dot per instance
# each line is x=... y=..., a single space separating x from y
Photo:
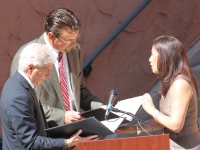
x=22 y=116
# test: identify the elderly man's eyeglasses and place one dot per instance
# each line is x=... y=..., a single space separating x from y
x=70 y=41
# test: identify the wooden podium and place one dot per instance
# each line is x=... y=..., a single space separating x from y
x=154 y=142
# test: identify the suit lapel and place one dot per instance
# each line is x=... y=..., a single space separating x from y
x=31 y=91
x=55 y=82
x=46 y=125
x=73 y=75
x=73 y=70
x=25 y=83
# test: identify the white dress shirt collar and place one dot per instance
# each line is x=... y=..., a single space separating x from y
x=49 y=45
x=27 y=79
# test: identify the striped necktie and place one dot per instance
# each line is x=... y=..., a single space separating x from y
x=63 y=82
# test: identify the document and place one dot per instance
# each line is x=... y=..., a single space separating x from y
x=113 y=120
x=98 y=113
x=113 y=124
x=94 y=122
x=131 y=105
x=89 y=126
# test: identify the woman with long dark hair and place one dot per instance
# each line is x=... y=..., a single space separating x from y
x=178 y=94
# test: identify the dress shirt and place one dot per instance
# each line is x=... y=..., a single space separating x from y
x=66 y=68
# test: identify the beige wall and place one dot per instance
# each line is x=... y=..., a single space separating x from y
x=124 y=64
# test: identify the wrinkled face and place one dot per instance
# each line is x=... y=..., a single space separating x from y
x=65 y=41
x=154 y=60
x=38 y=74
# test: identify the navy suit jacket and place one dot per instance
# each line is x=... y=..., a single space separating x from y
x=23 y=120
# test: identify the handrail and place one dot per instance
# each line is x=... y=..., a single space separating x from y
x=88 y=62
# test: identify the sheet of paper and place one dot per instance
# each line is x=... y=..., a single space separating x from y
x=129 y=105
x=112 y=124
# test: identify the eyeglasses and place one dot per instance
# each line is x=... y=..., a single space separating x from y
x=70 y=41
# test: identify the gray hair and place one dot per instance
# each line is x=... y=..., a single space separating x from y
x=36 y=54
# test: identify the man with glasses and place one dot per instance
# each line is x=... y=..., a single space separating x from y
x=63 y=95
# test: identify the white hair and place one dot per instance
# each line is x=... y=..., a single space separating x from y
x=36 y=54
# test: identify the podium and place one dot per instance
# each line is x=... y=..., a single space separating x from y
x=153 y=142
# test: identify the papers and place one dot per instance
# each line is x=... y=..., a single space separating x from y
x=112 y=124
x=131 y=105
x=98 y=113
x=113 y=121
x=94 y=122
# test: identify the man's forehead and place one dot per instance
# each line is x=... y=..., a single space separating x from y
x=69 y=30
x=69 y=35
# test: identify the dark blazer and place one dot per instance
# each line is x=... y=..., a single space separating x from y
x=50 y=94
x=22 y=117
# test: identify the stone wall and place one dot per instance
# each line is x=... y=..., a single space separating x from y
x=124 y=64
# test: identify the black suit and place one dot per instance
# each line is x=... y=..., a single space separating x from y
x=23 y=120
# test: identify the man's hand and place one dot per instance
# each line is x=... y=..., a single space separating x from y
x=74 y=139
x=71 y=116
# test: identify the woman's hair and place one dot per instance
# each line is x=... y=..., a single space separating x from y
x=36 y=54
x=172 y=61
x=59 y=19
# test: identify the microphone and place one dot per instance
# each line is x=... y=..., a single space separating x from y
x=113 y=94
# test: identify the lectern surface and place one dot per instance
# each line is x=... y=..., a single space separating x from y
x=154 y=142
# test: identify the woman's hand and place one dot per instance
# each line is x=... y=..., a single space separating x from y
x=147 y=104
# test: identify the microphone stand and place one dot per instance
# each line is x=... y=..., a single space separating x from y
x=134 y=117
